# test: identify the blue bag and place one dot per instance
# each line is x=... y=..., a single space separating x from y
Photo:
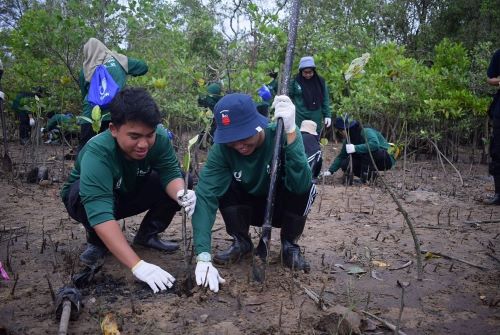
x=264 y=93
x=103 y=87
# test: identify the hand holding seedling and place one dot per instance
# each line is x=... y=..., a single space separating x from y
x=187 y=200
x=206 y=274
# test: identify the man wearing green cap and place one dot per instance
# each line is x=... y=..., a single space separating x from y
x=236 y=178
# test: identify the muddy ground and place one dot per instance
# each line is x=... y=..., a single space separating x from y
x=355 y=229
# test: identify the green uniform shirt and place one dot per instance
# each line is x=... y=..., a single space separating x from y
x=252 y=172
x=373 y=141
x=301 y=111
x=135 y=68
x=103 y=170
x=57 y=120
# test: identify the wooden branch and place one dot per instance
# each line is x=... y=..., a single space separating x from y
x=481 y=222
x=453 y=166
x=455 y=259
x=386 y=323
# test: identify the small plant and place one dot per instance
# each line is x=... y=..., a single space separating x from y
x=96 y=119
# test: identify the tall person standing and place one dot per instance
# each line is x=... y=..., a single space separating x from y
x=309 y=93
x=494 y=114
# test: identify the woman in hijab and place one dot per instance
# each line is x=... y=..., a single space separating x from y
x=119 y=66
x=309 y=93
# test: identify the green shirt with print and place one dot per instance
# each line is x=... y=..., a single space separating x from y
x=104 y=170
x=251 y=172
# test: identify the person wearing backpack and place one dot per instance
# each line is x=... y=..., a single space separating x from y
x=117 y=65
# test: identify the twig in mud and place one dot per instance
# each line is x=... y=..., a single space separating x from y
x=279 y=320
x=440 y=154
x=494 y=257
x=386 y=323
x=52 y=294
x=299 y=325
x=405 y=265
x=454 y=259
x=482 y=222
x=396 y=331
x=321 y=303
x=16 y=278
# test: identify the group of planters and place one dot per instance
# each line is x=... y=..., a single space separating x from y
x=131 y=167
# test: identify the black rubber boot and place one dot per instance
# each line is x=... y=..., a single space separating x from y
x=237 y=220
x=292 y=228
x=147 y=236
x=493 y=201
x=95 y=252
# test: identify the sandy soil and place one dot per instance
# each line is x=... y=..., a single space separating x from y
x=355 y=238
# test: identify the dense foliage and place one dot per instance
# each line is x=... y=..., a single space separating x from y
x=426 y=72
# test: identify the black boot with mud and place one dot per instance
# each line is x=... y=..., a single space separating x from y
x=241 y=247
x=493 y=201
x=93 y=255
x=237 y=220
x=292 y=257
x=147 y=236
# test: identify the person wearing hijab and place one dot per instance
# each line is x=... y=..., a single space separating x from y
x=119 y=66
x=309 y=94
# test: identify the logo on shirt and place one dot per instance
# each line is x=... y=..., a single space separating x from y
x=141 y=173
x=118 y=184
x=237 y=175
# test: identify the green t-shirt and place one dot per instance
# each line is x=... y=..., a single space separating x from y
x=57 y=120
x=103 y=170
x=135 y=68
x=374 y=141
x=251 y=172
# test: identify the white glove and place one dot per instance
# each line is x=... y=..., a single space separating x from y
x=188 y=201
x=206 y=274
x=285 y=109
x=42 y=130
x=153 y=275
x=326 y=173
x=328 y=122
x=349 y=148
x=32 y=122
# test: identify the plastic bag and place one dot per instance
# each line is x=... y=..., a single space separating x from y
x=103 y=87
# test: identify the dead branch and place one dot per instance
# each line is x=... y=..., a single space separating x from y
x=386 y=323
x=440 y=154
x=454 y=259
x=481 y=222
x=407 y=264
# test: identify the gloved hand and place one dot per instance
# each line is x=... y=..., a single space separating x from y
x=153 y=275
x=188 y=201
x=42 y=130
x=206 y=274
x=326 y=173
x=349 y=148
x=285 y=109
x=32 y=122
x=328 y=122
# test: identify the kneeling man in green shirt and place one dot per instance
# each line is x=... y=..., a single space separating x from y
x=126 y=170
x=235 y=180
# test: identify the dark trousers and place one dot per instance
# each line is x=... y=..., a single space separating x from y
x=494 y=166
x=362 y=163
x=24 y=127
x=285 y=202
x=149 y=197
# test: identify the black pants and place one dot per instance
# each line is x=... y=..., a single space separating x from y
x=362 y=163
x=285 y=201
x=150 y=196
x=24 y=127
x=494 y=166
